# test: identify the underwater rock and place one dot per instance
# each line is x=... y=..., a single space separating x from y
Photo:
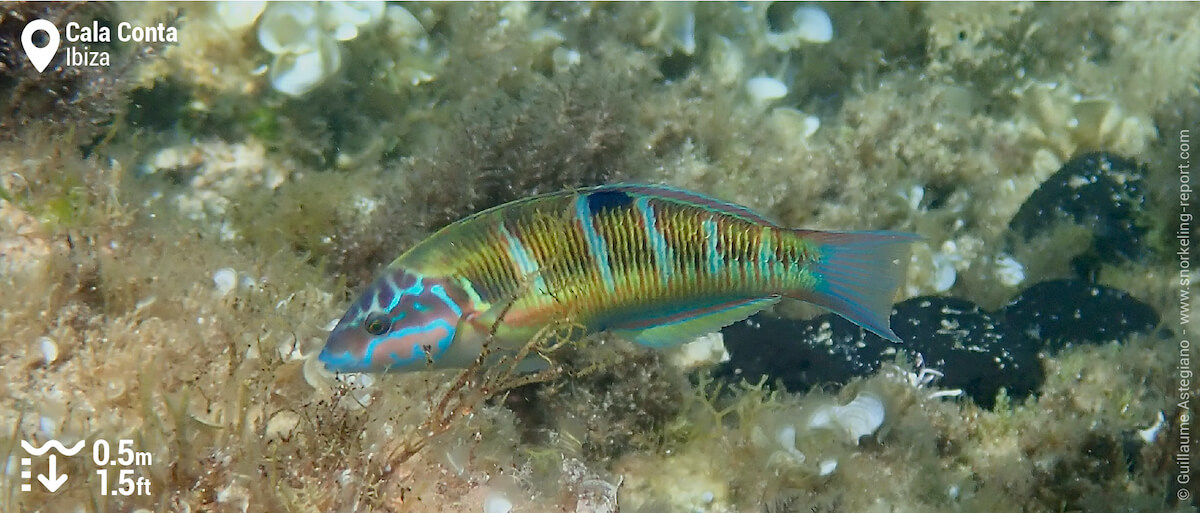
x=977 y=353
x=800 y=354
x=1060 y=313
x=976 y=350
x=1100 y=191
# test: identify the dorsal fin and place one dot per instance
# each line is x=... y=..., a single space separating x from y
x=690 y=198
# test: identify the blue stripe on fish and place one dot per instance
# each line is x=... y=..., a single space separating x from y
x=440 y=293
x=710 y=238
x=596 y=246
x=418 y=352
x=525 y=262
x=414 y=290
x=766 y=254
x=658 y=244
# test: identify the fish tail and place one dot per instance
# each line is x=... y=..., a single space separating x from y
x=858 y=274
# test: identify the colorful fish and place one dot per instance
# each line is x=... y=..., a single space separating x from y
x=655 y=264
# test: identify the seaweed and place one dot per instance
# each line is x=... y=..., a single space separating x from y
x=576 y=129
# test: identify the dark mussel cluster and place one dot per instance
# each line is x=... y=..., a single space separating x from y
x=980 y=351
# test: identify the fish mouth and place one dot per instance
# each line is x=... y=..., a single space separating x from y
x=342 y=360
x=338 y=361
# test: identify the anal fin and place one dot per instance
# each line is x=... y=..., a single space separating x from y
x=688 y=324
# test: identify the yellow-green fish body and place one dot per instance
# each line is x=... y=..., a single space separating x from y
x=655 y=264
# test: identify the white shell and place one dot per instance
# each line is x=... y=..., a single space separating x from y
x=685 y=32
x=809 y=25
x=675 y=28
x=765 y=89
x=401 y=23
x=811 y=125
x=343 y=19
x=945 y=266
x=704 y=351
x=859 y=418
x=793 y=123
x=315 y=374
x=224 y=279
x=496 y=502
x=944 y=273
x=1009 y=271
x=239 y=15
x=813 y=24
x=295 y=74
x=786 y=436
x=1150 y=434
x=828 y=466
x=49 y=350
x=288 y=28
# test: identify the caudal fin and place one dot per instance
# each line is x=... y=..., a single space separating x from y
x=859 y=273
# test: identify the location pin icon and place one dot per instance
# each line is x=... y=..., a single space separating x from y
x=40 y=57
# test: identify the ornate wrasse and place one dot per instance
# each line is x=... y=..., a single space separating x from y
x=654 y=264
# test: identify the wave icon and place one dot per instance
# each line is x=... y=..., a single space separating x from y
x=53 y=444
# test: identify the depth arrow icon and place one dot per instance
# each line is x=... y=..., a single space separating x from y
x=54 y=481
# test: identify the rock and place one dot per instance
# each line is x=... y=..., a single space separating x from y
x=801 y=354
x=1059 y=313
x=1099 y=191
x=975 y=349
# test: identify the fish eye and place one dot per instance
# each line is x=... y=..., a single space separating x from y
x=377 y=324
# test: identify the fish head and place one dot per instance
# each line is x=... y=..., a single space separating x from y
x=403 y=321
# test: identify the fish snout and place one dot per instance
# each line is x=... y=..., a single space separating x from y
x=345 y=351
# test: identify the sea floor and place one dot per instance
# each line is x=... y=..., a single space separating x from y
x=186 y=209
